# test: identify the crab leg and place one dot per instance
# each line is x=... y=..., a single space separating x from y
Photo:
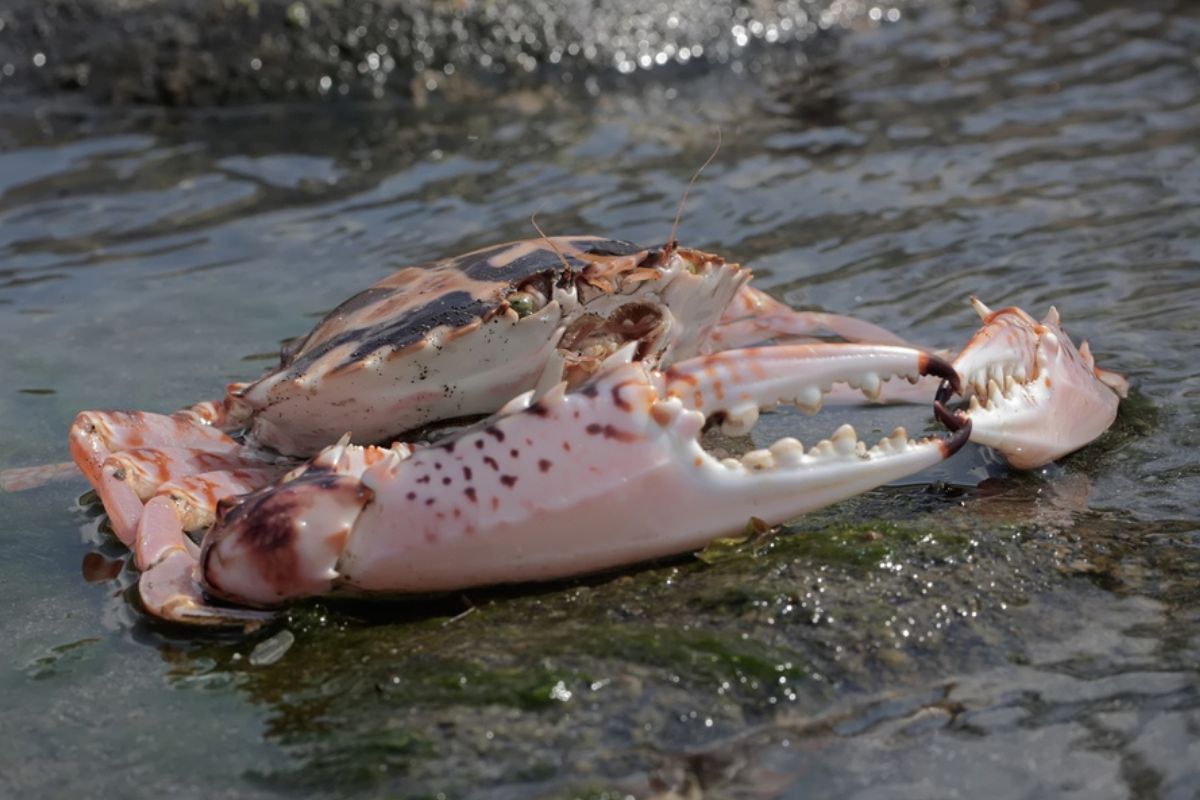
x=611 y=474
x=126 y=455
x=20 y=479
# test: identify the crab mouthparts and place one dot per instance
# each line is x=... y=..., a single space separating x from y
x=592 y=338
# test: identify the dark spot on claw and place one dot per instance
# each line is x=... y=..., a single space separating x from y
x=932 y=365
x=619 y=401
x=953 y=443
x=543 y=464
x=610 y=432
x=508 y=480
x=538 y=409
x=492 y=430
x=491 y=462
x=945 y=391
x=470 y=493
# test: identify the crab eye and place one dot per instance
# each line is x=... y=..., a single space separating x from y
x=522 y=303
x=529 y=299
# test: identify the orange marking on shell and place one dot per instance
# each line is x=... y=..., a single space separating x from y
x=660 y=414
x=463 y=330
x=337 y=539
x=719 y=389
x=676 y=376
x=641 y=274
x=698 y=399
x=403 y=352
x=699 y=461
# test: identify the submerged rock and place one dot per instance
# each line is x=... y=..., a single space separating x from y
x=205 y=52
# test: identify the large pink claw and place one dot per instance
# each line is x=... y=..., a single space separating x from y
x=1032 y=395
x=611 y=474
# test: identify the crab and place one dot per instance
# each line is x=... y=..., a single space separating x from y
x=446 y=340
x=602 y=363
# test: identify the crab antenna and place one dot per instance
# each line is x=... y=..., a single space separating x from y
x=688 y=190
x=548 y=240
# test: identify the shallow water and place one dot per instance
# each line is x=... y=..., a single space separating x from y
x=974 y=631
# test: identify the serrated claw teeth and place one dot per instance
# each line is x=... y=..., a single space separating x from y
x=739 y=421
x=844 y=440
x=822 y=448
x=787 y=451
x=993 y=392
x=872 y=385
x=809 y=400
x=759 y=459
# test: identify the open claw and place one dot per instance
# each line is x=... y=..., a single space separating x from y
x=740 y=382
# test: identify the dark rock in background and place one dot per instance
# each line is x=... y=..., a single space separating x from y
x=206 y=52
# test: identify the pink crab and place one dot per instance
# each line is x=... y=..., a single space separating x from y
x=602 y=362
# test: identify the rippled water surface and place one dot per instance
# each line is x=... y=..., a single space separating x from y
x=975 y=631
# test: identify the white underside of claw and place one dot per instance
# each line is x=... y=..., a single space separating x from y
x=1030 y=394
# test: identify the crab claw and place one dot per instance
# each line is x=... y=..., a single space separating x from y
x=1032 y=395
x=614 y=473
x=286 y=540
